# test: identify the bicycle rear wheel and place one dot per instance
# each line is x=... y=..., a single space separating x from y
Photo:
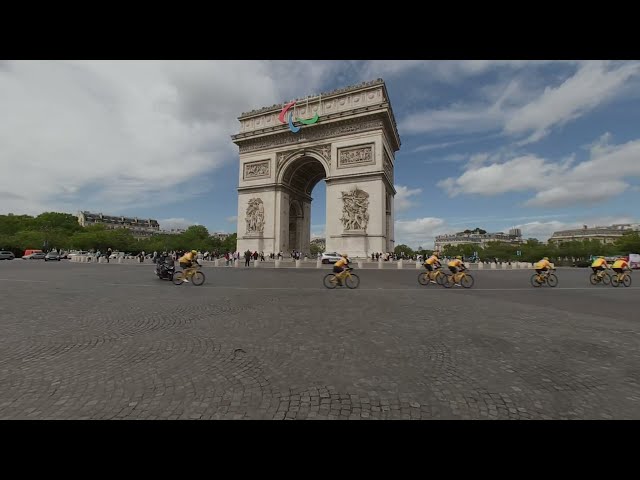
x=534 y=280
x=593 y=278
x=626 y=281
x=467 y=281
x=330 y=281
x=552 y=280
x=352 y=281
x=198 y=278
x=423 y=278
x=177 y=278
x=615 y=281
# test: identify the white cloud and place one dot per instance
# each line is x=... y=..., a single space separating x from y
x=459 y=118
x=172 y=223
x=125 y=134
x=606 y=174
x=446 y=70
x=544 y=230
x=402 y=200
x=593 y=84
x=497 y=178
x=232 y=219
x=420 y=232
x=516 y=109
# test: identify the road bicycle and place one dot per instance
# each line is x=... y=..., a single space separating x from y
x=350 y=279
x=193 y=274
x=623 y=278
x=463 y=278
x=427 y=278
x=600 y=277
x=544 y=278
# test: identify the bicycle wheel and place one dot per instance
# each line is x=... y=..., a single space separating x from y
x=626 y=281
x=198 y=278
x=593 y=278
x=423 y=278
x=448 y=281
x=615 y=281
x=352 y=281
x=467 y=281
x=606 y=278
x=177 y=278
x=534 y=280
x=552 y=280
x=441 y=278
x=330 y=281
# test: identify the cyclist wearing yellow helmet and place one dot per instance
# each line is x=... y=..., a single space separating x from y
x=599 y=265
x=188 y=260
x=620 y=265
x=432 y=261
x=340 y=267
x=456 y=264
x=543 y=265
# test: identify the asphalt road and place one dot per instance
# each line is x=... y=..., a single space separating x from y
x=114 y=342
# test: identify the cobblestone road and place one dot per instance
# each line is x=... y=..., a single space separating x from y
x=82 y=341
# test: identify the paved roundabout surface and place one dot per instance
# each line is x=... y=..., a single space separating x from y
x=86 y=341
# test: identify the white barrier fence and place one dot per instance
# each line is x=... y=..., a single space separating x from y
x=302 y=263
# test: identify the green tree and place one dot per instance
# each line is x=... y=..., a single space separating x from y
x=403 y=249
x=229 y=244
x=628 y=243
x=315 y=249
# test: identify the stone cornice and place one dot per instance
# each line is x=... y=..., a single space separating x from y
x=328 y=95
x=361 y=177
x=282 y=137
x=272 y=187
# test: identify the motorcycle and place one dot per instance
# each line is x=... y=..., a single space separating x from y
x=165 y=268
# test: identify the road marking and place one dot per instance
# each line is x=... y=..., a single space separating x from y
x=27 y=281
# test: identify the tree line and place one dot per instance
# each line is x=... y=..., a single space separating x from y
x=61 y=231
x=533 y=250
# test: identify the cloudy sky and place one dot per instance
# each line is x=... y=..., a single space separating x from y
x=539 y=145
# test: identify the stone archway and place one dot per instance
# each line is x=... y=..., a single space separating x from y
x=299 y=174
x=348 y=138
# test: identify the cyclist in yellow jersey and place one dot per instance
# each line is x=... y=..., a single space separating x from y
x=187 y=261
x=432 y=262
x=455 y=266
x=340 y=266
x=620 y=265
x=599 y=265
x=543 y=265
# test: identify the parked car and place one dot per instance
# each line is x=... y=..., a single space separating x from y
x=35 y=256
x=4 y=255
x=330 y=257
x=52 y=256
x=73 y=254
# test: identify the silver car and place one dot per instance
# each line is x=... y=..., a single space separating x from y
x=330 y=257
x=4 y=255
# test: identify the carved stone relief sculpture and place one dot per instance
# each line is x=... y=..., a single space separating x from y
x=257 y=169
x=255 y=216
x=355 y=210
x=356 y=156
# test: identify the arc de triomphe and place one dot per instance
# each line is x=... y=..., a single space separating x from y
x=347 y=137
